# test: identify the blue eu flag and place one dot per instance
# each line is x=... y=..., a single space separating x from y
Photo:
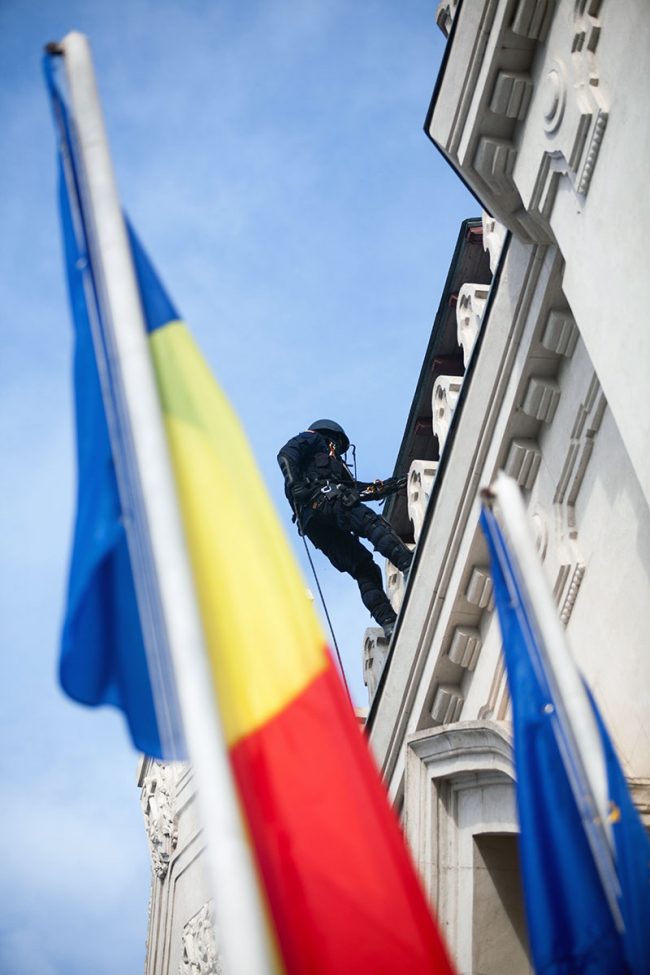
x=103 y=654
x=577 y=923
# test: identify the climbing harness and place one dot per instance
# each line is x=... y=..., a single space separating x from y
x=321 y=492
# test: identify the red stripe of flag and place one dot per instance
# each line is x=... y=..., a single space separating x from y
x=341 y=887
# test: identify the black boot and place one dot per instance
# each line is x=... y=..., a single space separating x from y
x=388 y=629
x=386 y=618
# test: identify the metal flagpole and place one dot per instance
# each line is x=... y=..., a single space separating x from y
x=579 y=739
x=242 y=925
x=512 y=515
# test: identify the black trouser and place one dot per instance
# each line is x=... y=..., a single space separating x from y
x=334 y=529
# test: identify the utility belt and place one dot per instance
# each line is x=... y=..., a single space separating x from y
x=351 y=494
x=333 y=491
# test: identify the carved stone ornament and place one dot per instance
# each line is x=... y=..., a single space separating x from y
x=421 y=476
x=446 y=391
x=158 y=799
x=447 y=704
x=511 y=94
x=541 y=398
x=395 y=587
x=560 y=332
x=471 y=303
x=523 y=462
x=531 y=18
x=574 y=111
x=375 y=651
x=465 y=647
x=494 y=236
x=445 y=15
x=199 y=943
x=570 y=563
x=479 y=587
x=539 y=526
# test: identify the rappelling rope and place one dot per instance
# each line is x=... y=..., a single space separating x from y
x=327 y=616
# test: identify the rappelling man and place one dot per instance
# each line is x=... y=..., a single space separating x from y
x=328 y=505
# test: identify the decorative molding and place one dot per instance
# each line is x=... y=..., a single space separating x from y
x=554 y=96
x=459 y=783
x=447 y=704
x=511 y=94
x=586 y=425
x=560 y=332
x=479 y=587
x=494 y=236
x=539 y=525
x=497 y=686
x=523 y=461
x=199 y=945
x=541 y=398
x=445 y=15
x=592 y=152
x=488 y=91
x=421 y=476
x=518 y=138
x=375 y=651
x=494 y=160
x=470 y=746
x=574 y=113
x=158 y=801
x=532 y=18
x=570 y=563
x=572 y=592
x=465 y=647
x=640 y=792
x=395 y=586
x=444 y=398
x=588 y=28
x=470 y=306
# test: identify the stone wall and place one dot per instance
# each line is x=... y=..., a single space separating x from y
x=531 y=96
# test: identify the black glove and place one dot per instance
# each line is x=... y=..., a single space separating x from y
x=301 y=492
x=350 y=497
x=382 y=489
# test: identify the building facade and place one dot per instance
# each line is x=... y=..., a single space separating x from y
x=181 y=938
x=536 y=365
x=532 y=108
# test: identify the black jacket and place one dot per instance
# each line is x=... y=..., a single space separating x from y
x=308 y=465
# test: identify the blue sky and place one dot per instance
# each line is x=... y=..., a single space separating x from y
x=272 y=159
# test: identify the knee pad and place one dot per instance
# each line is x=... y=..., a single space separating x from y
x=401 y=556
x=376 y=602
x=369 y=578
x=387 y=541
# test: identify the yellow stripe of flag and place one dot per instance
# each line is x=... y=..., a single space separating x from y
x=262 y=653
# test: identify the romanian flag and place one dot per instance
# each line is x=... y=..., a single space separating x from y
x=339 y=882
x=335 y=874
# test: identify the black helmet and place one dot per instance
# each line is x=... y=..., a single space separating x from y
x=331 y=426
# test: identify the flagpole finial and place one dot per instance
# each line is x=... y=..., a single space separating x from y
x=487 y=496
